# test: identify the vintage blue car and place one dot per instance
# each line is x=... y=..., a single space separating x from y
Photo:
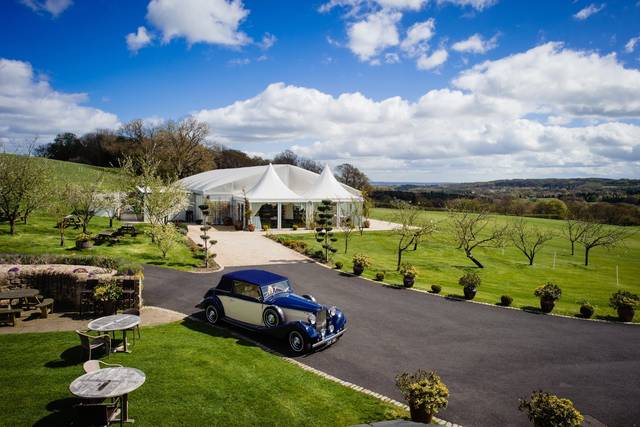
x=264 y=301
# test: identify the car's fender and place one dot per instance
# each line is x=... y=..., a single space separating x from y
x=212 y=299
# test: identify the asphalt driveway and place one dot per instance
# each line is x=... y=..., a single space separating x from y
x=488 y=356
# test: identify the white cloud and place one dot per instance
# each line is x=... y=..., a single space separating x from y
x=367 y=38
x=429 y=62
x=54 y=7
x=30 y=107
x=239 y=61
x=391 y=58
x=475 y=4
x=268 y=40
x=138 y=40
x=631 y=44
x=476 y=44
x=588 y=11
x=356 y=6
x=489 y=124
x=418 y=36
x=200 y=21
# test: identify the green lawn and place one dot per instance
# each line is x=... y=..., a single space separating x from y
x=506 y=271
x=196 y=375
x=41 y=236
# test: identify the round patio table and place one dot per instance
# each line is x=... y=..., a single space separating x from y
x=116 y=322
x=109 y=383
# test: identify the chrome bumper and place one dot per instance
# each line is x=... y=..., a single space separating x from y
x=329 y=340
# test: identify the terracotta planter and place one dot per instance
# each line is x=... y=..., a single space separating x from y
x=84 y=244
x=408 y=281
x=251 y=227
x=470 y=293
x=358 y=269
x=626 y=313
x=547 y=304
x=420 y=415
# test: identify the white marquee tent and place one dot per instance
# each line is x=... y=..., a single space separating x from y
x=278 y=195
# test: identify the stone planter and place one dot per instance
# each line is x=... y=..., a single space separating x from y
x=420 y=415
x=469 y=293
x=408 y=281
x=626 y=313
x=358 y=269
x=84 y=244
x=547 y=304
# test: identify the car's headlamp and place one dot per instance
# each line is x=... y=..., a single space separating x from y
x=332 y=311
x=311 y=318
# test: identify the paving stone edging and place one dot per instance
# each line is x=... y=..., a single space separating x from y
x=308 y=368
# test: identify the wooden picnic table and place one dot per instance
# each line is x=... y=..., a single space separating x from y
x=116 y=322
x=25 y=296
x=109 y=383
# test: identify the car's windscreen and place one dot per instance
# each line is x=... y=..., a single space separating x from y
x=276 y=288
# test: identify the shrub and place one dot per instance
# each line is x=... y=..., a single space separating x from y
x=548 y=291
x=130 y=269
x=318 y=254
x=545 y=409
x=506 y=300
x=93 y=260
x=294 y=227
x=586 y=310
x=109 y=291
x=470 y=280
x=361 y=260
x=624 y=299
x=339 y=265
x=266 y=227
x=408 y=270
x=436 y=289
x=380 y=276
x=423 y=390
x=83 y=237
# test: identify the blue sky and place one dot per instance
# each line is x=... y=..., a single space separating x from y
x=321 y=50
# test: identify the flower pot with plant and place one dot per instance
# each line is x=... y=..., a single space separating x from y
x=409 y=274
x=586 y=310
x=360 y=262
x=339 y=265
x=108 y=294
x=625 y=303
x=548 y=294
x=424 y=392
x=546 y=409
x=251 y=227
x=83 y=241
x=366 y=223
x=469 y=282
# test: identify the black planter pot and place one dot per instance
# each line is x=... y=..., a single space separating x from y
x=420 y=415
x=358 y=269
x=470 y=293
x=408 y=281
x=547 y=304
x=108 y=307
x=626 y=313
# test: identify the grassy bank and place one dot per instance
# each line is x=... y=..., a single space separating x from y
x=507 y=271
x=41 y=236
x=196 y=375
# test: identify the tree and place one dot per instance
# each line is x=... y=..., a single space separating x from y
x=165 y=237
x=593 y=235
x=23 y=183
x=469 y=231
x=183 y=147
x=573 y=231
x=58 y=207
x=412 y=229
x=112 y=204
x=324 y=231
x=529 y=239
x=353 y=177
x=288 y=157
x=85 y=200
x=348 y=224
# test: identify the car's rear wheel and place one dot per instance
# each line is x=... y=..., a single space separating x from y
x=271 y=317
x=297 y=342
x=212 y=314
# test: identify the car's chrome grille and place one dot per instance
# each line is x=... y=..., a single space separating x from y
x=321 y=320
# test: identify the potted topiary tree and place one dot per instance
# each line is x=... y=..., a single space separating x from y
x=470 y=282
x=545 y=409
x=625 y=303
x=360 y=262
x=409 y=274
x=548 y=294
x=425 y=394
x=108 y=294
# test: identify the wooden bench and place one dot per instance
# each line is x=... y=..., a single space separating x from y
x=8 y=315
x=45 y=306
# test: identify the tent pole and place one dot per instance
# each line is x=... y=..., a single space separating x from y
x=279 y=215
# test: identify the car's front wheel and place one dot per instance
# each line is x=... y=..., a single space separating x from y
x=212 y=314
x=297 y=342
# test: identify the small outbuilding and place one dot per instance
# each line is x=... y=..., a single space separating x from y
x=279 y=196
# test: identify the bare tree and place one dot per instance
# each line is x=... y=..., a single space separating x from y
x=58 y=207
x=23 y=180
x=353 y=177
x=412 y=230
x=573 y=231
x=85 y=200
x=348 y=224
x=112 y=203
x=471 y=230
x=183 y=143
x=529 y=239
x=594 y=234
